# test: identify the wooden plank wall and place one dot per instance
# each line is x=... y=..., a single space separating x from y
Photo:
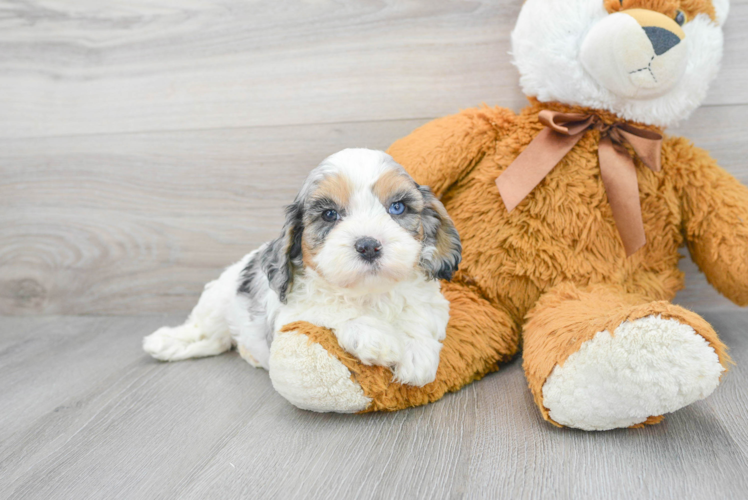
x=145 y=144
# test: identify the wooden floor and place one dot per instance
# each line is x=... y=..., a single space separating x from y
x=85 y=414
x=145 y=145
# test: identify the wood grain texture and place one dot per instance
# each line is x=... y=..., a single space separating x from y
x=133 y=223
x=118 y=224
x=130 y=65
x=146 y=145
x=90 y=416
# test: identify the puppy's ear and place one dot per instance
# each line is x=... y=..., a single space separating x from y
x=442 y=250
x=282 y=256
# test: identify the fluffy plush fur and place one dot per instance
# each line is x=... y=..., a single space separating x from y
x=603 y=346
x=570 y=58
x=361 y=253
x=673 y=367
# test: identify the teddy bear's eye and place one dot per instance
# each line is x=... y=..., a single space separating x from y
x=680 y=18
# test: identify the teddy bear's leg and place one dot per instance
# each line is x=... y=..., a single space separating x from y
x=598 y=358
x=310 y=369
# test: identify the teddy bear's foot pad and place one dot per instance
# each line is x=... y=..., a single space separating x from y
x=649 y=366
x=310 y=378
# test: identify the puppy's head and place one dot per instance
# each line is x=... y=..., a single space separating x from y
x=361 y=222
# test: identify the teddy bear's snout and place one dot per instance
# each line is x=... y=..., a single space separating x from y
x=663 y=32
x=636 y=53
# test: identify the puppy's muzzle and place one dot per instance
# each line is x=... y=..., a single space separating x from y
x=368 y=249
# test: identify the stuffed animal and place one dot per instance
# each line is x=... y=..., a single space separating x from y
x=571 y=213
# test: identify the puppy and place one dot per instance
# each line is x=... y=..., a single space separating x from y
x=361 y=253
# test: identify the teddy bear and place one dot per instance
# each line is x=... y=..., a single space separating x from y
x=571 y=214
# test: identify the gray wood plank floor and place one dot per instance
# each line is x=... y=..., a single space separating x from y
x=85 y=414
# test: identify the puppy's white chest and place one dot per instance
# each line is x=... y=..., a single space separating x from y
x=411 y=305
x=401 y=328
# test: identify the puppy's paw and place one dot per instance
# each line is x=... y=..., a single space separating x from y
x=372 y=341
x=419 y=362
x=246 y=354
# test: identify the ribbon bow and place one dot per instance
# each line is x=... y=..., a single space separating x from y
x=562 y=131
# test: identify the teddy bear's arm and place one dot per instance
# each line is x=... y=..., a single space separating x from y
x=442 y=151
x=715 y=220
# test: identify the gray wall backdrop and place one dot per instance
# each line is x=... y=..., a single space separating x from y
x=144 y=145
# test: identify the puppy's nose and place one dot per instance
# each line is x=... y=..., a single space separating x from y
x=662 y=39
x=368 y=249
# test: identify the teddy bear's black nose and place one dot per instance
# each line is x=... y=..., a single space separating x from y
x=368 y=249
x=662 y=39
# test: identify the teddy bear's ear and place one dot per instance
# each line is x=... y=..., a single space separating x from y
x=722 y=8
x=442 y=250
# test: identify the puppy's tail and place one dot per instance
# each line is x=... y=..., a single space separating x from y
x=184 y=342
x=206 y=332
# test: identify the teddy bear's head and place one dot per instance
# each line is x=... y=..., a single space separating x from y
x=649 y=61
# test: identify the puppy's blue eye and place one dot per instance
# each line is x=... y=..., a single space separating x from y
x=397 y=208
x=330 y=216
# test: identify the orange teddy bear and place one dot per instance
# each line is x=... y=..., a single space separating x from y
x=561 y=253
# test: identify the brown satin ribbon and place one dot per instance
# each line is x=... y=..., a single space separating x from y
x=562 y=131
